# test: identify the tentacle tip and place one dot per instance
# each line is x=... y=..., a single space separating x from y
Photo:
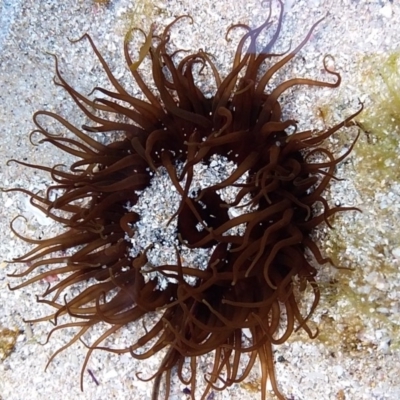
x=12 y=288
x=85 y=35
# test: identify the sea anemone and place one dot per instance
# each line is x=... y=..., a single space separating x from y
x=257 y=244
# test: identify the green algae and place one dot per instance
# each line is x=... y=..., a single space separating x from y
x=142 y=15
x=377 y=152
x=360 y=296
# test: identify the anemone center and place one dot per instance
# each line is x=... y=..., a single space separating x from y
x=158 y=203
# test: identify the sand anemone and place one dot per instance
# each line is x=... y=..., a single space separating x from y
x=256 y=265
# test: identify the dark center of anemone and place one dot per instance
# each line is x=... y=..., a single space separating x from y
x=158 y=204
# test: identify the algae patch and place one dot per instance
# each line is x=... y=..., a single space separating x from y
x=8 y=338
x=141 y=15
x=378 y=153
x=365 y=298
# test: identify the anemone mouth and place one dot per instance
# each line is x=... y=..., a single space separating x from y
x=252 y=273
